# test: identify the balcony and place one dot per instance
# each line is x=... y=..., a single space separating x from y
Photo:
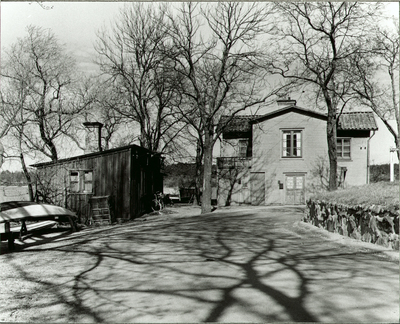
x=233 y=162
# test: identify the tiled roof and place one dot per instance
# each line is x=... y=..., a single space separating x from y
x=285 y=110
x=347 y=121
x=237 y=124
x=359 y=120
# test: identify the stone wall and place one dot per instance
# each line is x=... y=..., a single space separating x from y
x=373 y=224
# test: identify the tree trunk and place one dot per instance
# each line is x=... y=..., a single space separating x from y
x=207 y=173
x=332 y=156
x=396 y=110
x=27 y=176
x=199 y=164
x=396 y=139
x=331 y=138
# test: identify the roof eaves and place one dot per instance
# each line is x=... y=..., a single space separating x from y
x=362 y=120
x=288 y=109
x=88 y=155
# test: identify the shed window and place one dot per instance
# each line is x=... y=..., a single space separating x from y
x=343 y=148
x=243 y=148
x=81 y=181
x=291 y=143
x=88 y=178
x=74 y=181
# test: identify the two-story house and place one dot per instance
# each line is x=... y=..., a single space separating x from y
x=282 y=156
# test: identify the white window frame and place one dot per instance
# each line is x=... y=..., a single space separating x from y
x=83 y=181
x=342 y=146
x=243 y=145
x=289 y=153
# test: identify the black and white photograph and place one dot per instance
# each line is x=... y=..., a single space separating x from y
x=189 y=162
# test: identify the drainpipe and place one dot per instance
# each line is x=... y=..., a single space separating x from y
x=368 y=154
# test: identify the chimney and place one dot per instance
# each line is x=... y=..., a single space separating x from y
x=286 y=102
x=93 y=137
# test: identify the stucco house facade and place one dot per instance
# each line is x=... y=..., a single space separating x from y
x=282 y=157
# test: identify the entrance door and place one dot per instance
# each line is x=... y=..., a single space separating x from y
x=295 y=189
x=257 y=188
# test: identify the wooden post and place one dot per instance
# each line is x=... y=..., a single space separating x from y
x=23 y=230
x=10 y=235
x=72 y=223
x=392 y=150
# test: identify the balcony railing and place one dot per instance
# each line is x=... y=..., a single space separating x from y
x=233 y=162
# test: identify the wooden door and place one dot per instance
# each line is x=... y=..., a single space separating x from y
x=257 y=188
x=295 y=189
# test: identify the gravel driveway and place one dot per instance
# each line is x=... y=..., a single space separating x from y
x=234 y=265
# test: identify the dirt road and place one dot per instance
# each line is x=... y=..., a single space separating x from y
x=235 y=265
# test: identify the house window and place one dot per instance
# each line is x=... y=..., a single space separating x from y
x=291 y=143
x=243 y=148
x=81 y=181
x=343 y=148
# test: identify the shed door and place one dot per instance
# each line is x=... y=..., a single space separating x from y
x=257 y=188
x=295 y=189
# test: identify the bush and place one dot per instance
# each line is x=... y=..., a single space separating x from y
x=381 y=193
x=381 y=172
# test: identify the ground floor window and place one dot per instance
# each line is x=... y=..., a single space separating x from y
x=81 y=181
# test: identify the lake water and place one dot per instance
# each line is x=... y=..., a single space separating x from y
x=11 y=193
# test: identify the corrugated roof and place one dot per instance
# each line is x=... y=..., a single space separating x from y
x=358 y=120
x=83 y=156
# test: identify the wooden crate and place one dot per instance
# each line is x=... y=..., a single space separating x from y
x=101 y=211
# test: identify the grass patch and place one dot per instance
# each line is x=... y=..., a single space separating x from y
x=380 y=193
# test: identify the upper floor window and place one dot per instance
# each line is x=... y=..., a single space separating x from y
x=81 y=181
x=343 y=148
x=243 y=148
x=291 y=143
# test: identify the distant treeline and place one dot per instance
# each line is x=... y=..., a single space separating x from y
x=183 y=174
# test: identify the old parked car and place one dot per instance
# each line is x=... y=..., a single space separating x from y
x=31 y=216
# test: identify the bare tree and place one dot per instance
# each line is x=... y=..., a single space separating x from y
x=314 y=42
x=104 y=108
x=131 y=55
x=12 y=102
x=377 y=77
x=39 y=66
x=217 y=54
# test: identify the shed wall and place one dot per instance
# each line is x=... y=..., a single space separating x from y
x=128 y=176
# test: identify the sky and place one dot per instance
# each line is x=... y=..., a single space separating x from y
x=75 y=24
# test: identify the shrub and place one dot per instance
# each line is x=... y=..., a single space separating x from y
x=381 y=172
x=381 y=193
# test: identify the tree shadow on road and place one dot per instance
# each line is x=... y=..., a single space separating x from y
x=206 y=268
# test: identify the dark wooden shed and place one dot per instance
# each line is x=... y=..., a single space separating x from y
x=126 y=177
